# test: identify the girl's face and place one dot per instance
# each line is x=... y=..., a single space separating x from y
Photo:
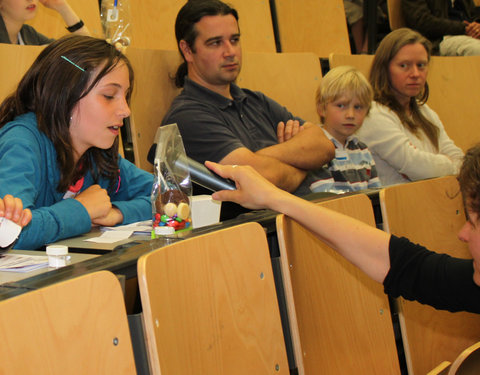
x=408 y=72
x=18 y=10
x=97 y=118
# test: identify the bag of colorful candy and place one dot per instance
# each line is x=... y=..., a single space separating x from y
x=172 y=188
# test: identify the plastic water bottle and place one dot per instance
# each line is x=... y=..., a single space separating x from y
x=115 y=15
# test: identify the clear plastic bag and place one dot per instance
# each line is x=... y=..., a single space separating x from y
x=172 y=187
x=116 y=22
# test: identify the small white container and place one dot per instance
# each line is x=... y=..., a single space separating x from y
x=57 y=255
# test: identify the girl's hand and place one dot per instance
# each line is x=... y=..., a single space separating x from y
x=113 y=217
x=96 y=201
x=12 y=208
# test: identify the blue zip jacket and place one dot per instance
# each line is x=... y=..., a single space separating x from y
x=29 y=171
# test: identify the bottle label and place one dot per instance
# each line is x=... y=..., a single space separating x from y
x=112 y=15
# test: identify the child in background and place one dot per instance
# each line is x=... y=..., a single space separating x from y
x=343 y=100
x=14 y=14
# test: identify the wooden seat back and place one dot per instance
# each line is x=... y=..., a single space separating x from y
x=210 y=305
x=74 y=326
x=430 y=213
x=340 y=318
x=313 y=26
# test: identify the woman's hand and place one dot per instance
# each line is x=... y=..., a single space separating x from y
x=253 y=190
x=12 y=208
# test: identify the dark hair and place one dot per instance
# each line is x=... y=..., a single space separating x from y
x=192 y=12
x=53 y=86
x=469 y=179
x=382 y=86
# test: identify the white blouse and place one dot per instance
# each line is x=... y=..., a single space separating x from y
x=402 y=156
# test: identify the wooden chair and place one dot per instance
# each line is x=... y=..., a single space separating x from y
x=210 y=305
x=74 y=326
x=339 y=317
x=20 y=58
x=451 y=80
x=313 y=26
x=50 y=23
x=362 y=62
x=153 y=93
x=395 y=15
x=295 y=90
x=431 y=213
x=441 y=369
x=153 y=24
x=468 y=362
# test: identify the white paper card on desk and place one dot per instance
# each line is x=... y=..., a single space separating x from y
x=111 y=236
x=138 y=228
x=205 y=210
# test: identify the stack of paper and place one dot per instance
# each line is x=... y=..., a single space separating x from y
x=22 y=263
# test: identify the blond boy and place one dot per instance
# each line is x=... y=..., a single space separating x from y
x=343 y=100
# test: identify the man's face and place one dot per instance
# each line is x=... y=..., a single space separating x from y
x=217 y=59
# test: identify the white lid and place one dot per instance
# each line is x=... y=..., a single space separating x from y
x=162 y=231
x=57 y=250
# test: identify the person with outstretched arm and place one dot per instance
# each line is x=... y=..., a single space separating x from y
x=405 y=269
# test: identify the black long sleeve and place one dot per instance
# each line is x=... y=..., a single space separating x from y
x=439 y=280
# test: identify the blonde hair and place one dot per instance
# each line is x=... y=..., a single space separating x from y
x=382 y=86
x=344 y=81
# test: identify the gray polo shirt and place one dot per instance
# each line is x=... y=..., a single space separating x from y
x=212 y=126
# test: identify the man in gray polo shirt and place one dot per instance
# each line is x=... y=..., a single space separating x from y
x=223 y=123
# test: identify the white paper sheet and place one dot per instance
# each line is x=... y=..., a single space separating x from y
x=138 y=227
x=111 y=236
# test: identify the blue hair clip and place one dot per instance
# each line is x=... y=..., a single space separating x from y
x=71 y=62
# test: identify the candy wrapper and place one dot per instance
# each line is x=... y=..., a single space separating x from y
x=172 y=187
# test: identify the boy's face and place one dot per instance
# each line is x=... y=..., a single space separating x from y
x=343 y=116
